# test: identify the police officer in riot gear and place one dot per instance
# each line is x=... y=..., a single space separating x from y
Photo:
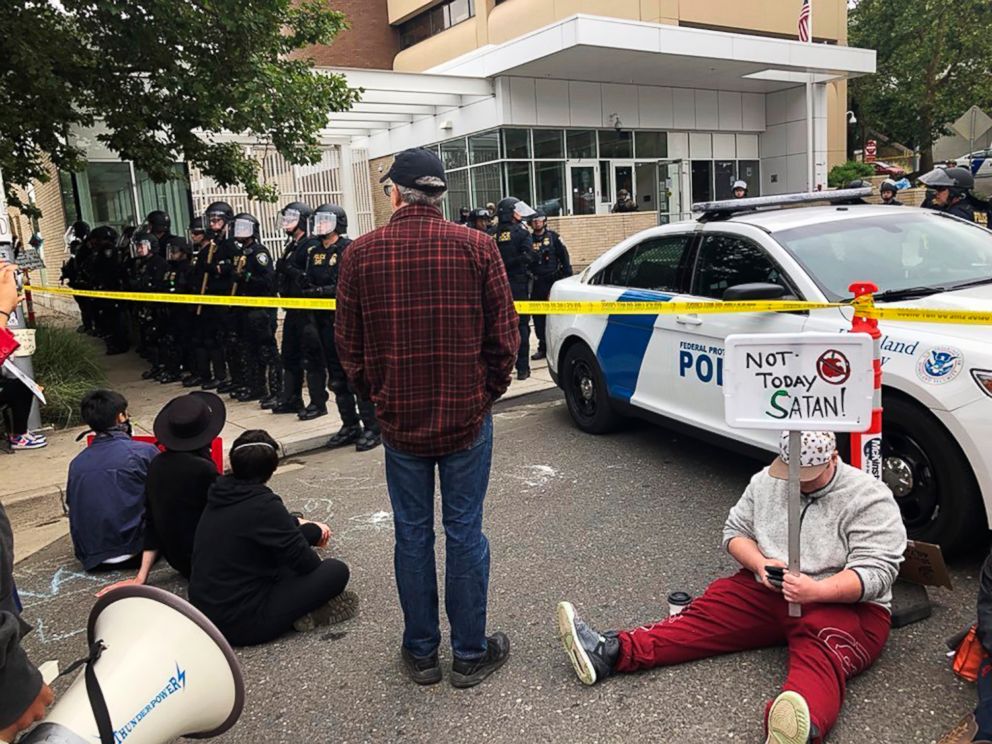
x=176 y=350
x=107 y=275
x=256 y=278
x=480 y=219
x=888 y=192
x=517 y=250
x=358 y=421
x=147 y=274
x=952 y=191
x=551 y=265
x=214 y=269
x=197 y=235
x=76 y=271
x=158 y=223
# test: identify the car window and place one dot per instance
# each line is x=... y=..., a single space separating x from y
x=656 y=264
x=916 y=248
x=728 y=260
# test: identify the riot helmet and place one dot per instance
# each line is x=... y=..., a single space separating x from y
x=295 y=216
x=538 y=221
x=464 y=215
x=888 y=186
x=510 y=207
x=76 y=234
x=158 y=221
x=196 y=231
x=957 y=181
x=177 y=250
x=143 y=244
x=245 y=226
x=324 y=221
x=217 y=217
x=104 y=235
x=342 y=228
x=479 y=219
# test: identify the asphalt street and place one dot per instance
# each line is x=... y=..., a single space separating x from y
x=611 y=523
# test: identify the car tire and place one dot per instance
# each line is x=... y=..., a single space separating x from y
x=930 y=477
x=585 y=391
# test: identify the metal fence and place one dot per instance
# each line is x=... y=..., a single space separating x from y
x=315 y=184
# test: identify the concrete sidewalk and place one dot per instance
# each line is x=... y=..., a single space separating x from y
x=34 y=481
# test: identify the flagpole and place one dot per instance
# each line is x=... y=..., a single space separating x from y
x=810 y=134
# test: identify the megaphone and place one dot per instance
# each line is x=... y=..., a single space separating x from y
x=158 y=670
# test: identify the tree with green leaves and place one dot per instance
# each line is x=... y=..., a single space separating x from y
x=168 y=79
x=933 y=65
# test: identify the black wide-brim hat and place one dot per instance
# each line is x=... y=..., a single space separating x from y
x=190 y=422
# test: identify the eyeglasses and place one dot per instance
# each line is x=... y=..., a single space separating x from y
x=387 y=189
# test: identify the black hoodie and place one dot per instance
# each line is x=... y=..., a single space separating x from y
x=245 y=541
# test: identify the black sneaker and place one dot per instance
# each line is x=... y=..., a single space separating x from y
x=345 y=436
x=269 y=402
x=593 y=654
x=226 y=386
x=311 y=412
x=422 y=670
x=288 y=406
x=337 y=610
x=470 y=672
x=538 y=355
x=193 y=381
x=369 y=440
x=523 y=374
x=211 y=384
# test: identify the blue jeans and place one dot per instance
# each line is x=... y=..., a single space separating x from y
x=464 y=480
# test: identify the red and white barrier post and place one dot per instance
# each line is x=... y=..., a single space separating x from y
x=866 y=447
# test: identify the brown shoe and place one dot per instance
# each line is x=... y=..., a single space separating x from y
x=966 y=728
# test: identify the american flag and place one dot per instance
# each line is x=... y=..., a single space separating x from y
x=804 y=15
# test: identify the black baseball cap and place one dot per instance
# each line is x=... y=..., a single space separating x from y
x=410 y=166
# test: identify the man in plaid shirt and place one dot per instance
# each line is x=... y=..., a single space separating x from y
x=426 y=326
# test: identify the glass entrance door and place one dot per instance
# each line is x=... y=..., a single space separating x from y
x=673 y=176
x=583 y=187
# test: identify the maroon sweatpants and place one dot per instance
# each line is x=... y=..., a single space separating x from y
x=828 y=645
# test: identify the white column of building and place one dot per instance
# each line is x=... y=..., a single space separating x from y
x=346 y=177
x=820 y=147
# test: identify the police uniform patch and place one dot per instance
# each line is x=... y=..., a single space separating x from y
x=263 y=259
x=334 y=260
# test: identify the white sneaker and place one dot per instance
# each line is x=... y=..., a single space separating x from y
x=28 y=441
x=788 y=720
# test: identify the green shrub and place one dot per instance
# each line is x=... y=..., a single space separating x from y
x=843 y=174
x=67 y=365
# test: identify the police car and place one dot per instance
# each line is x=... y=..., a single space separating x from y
x=937 y=379
x=980 y=163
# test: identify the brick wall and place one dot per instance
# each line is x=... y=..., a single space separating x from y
x=588 y=237
x=382 y=210
x=370 y=42
x=48 y=198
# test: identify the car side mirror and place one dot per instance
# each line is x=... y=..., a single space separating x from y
x=754 y=291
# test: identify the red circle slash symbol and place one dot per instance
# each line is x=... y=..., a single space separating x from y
x=833 y=367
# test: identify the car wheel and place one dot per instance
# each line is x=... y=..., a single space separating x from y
x=585 y=391
x=930 y=477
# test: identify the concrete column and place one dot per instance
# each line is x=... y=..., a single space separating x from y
x=346 y=175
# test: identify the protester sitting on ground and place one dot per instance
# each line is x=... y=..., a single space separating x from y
x=976 y=727
x=14 y=393
x=255 y=574
x=106 y=489
x=853 y=540
x=178 y=481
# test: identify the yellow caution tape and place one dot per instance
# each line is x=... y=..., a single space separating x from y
x=864 y=307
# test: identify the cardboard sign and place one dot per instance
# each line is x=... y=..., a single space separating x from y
x=924 y=564
x=799 y=381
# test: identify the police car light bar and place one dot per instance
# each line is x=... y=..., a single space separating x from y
x=731 y=206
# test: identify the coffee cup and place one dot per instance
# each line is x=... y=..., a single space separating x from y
x=677 y=601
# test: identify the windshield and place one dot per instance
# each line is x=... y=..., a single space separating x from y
x=909 y=249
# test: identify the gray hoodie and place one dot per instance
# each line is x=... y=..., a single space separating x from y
x=853 y=522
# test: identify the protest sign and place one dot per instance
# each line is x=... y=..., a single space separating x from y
x=799 y=382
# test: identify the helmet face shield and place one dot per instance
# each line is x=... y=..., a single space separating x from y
x=243 y=229
x=141 y=248
x=523 y=209
x=290 y=219
x=937 y=179
x=324 y=223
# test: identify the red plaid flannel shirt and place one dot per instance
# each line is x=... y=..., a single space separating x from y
x=425 y=324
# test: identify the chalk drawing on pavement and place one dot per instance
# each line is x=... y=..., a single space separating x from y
x=377 y=521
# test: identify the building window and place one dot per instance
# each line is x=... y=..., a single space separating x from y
x=518 y=181
x=106 y=196
x=549 y=179
x=457 y=195
x=614 y=144
x=484 y=148
x=750 y=171
x=702 y=180
x=516 y=143
x=651 y=145
x=454 y=154
x=487 y=185
x=171 y=197
x=581 y=144
x=548 y=144
x=434 y=21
